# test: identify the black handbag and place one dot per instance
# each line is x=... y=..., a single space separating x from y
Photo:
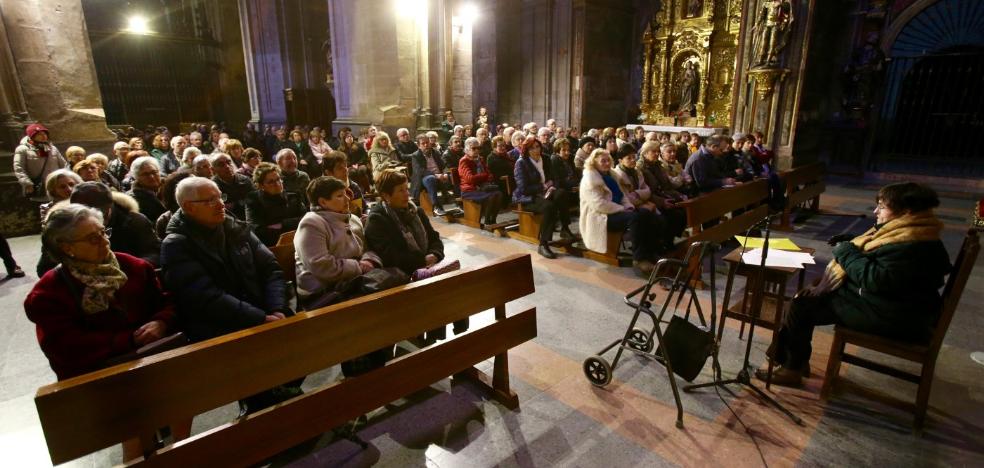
x=688 y=347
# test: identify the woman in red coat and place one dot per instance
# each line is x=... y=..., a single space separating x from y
x=97 y=304
x=477 y=183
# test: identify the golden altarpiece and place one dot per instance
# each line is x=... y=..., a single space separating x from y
x=689 y=63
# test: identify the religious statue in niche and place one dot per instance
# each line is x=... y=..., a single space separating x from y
x=862 y=75
x=689 y=87
x=693 y=8
x=771 y=32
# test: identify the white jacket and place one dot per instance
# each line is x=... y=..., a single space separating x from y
x=28 y=165
x=596 y=205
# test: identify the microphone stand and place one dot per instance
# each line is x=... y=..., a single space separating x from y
x=744 y=376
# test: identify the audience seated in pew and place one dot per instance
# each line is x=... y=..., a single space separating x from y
x=663 y=192
x=102 y=162
x=484 y=142
x=383 y=156
x=405 y=145
x=222 y=277
x=501 y=164
x=605 y=208
x=295 y=181
x=305 y=156
x=884 y=282
x=536 y=192
x=584 y=148
x=478 y=184
x=270 y=210
x=565 y=175
x=633 y=185
x=705 y=167
x=146 y=175
x=358 y=161
x=401 y=234
x=330 y=245
x=428 y=173
x=336 y=165
x=201 y=166
x=134 y=232
x=58 y=186
x=170 y=201
x=96 y=305
x=233 y=185
x=251 y=158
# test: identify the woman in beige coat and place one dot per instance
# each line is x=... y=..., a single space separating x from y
x=605 y=207
x=330 y=243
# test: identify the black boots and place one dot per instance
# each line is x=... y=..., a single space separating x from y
x=544 y=250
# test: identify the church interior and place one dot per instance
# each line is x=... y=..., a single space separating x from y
x=724 y=146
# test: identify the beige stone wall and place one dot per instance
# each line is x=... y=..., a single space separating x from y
x=53 y=58
x=461 y=75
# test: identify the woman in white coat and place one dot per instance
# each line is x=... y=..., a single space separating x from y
x=605 y=207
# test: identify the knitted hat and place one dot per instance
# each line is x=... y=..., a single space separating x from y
x=587 y=140
x=34 y=129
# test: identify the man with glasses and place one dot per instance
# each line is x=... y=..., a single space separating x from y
x=132 y=232
x=222 y=277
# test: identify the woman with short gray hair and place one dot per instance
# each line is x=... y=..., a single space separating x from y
x=97 y=305
x=58 y=185
x=145 y=172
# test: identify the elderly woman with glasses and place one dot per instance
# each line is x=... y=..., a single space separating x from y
x=97 y=305
x=270 y=210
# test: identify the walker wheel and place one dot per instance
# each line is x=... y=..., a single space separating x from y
x=598 y=371
x=639 y=340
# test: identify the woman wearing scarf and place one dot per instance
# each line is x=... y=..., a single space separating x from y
x=397 y=230
x=884 y=282
x=34 y=159
x=97 y=304
x=269 y=209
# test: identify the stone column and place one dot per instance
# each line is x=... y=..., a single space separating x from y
x=246 y=27
x=52 y=57
x=13 y=110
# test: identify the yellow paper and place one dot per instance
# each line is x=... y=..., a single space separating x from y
x=780 y=243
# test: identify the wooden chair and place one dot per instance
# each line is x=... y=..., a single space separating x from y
x=93 y=411
x=924 y=354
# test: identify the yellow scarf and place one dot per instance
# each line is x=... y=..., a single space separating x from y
x=911 y=227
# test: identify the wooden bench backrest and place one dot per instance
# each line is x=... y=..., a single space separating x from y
x=803 y=175
x=716 y=204
x=96 y=410
x=955 y=284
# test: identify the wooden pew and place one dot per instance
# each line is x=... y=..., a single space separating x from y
x=473 y=210
x=804 y=185
x=102 y=408
x=716 y=205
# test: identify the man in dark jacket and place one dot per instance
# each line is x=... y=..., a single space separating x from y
x=705 y=168
x=235 y=186
x=404 y=145
x=222 y=277
x=428 y=173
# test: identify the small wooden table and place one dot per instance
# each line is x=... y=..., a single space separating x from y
x=773 y=300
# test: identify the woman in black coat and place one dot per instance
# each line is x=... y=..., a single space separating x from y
x=270 y=210
x=398 y=230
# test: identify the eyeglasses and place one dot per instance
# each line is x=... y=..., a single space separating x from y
x=95 y=238
x=212 y=201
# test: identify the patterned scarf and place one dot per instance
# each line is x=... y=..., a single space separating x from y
x=101 y=281
x=410 y=226
x=912 y=227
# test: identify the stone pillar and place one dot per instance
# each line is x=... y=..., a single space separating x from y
x=13 y=110
x=264 y=60
x=375 y=84
x=52 y=57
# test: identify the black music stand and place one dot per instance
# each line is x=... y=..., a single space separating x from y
x=744 y=377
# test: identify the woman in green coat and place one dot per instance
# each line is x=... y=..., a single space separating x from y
x=884 y=282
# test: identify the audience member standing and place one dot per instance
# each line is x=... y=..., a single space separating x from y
x=34 y=159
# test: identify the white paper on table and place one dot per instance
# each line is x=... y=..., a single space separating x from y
x=778 y=258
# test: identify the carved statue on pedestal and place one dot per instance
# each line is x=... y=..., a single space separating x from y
x=689 y=87
x=771 y=32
